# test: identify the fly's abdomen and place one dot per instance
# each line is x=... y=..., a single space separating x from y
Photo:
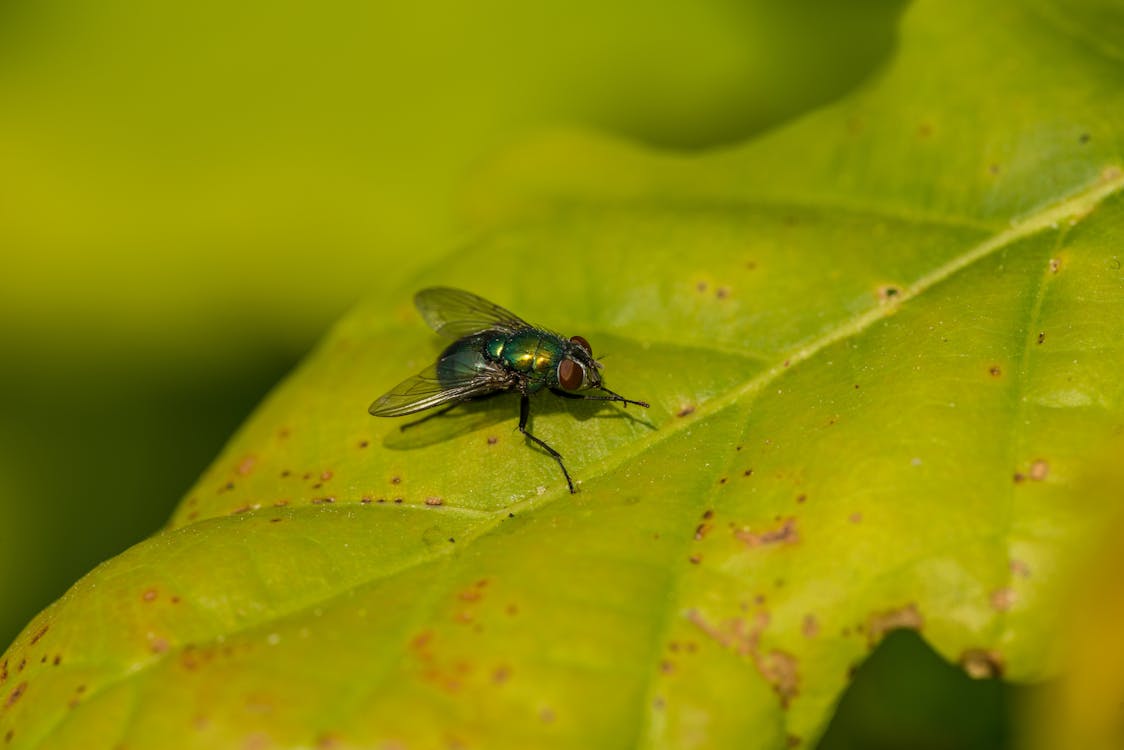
x=464 y=358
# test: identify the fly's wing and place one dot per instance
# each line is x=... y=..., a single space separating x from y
x=456 y=313
x=425 y=390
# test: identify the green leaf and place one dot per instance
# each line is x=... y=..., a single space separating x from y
x=880 y=346
x=281 y=158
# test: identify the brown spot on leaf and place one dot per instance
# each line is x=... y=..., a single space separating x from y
x=501 y=675
x=149 y=595
x=685 y=411
x=779 y=668
x=396 y=480
x=785 y=533
x=492 y=440
x=855 y=517
x=701 y=531
x=246 y=465
x=1041 y=336
x=192 y=657
x=363 y=443
x=471 y=594
x=1020 y=568
x=1055 y=265
x=982 y=664
x=722 y=292
x=39 y=634
x=888 y=293
x=894 y=619
x=1018 y=477
x=811 y=626
x=792 y=741
x=1039 y=470
x=16 y=693
x=695 y=559
x=322 y=500
x=434 y=501
x=1003 y=599
x=994 y=371
x=708 y=514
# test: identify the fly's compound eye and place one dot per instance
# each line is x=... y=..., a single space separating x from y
x=580 y=341
x=571 y=375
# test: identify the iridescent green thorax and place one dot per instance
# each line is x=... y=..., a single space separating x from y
x=533 y=353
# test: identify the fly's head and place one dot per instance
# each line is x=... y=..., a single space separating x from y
x=578 y=370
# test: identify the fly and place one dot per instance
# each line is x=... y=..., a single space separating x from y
x=494 y=351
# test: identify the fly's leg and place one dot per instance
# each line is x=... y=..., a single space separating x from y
x=524 y=413
x=429 y=416
x=611 y=397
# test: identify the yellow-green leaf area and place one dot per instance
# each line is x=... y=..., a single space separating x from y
x=881 y=347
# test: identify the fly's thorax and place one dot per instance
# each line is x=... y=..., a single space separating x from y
x=533 y=353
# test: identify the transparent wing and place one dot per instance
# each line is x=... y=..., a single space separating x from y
x=425 y=390
x=456 y=313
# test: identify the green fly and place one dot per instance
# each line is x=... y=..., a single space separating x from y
x=494 y=351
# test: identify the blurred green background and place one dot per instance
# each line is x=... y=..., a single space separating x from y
x=190 y=195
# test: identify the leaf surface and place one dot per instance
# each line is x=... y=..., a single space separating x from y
x=880 y=346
